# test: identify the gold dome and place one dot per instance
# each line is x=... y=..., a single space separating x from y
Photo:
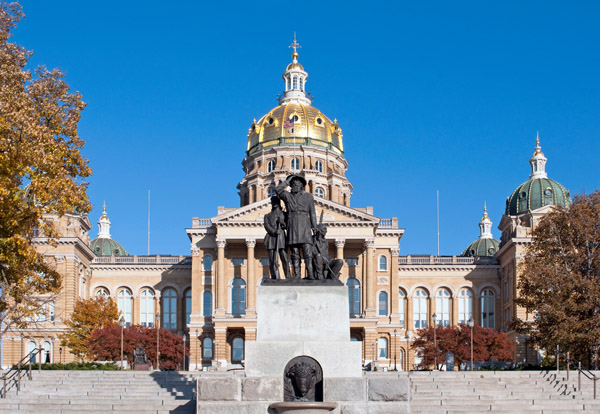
x=310 y=127
x=294 y=65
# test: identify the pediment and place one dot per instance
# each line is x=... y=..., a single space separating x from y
x=332 y=213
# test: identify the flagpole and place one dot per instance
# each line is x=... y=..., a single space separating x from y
x=438 y=222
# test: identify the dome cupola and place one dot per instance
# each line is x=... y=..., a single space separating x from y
x=485 y=245
x=104 y=245
x=539 y=190
x=295 y=79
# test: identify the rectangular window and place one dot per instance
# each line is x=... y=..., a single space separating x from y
x=352 y=261
x=237 y=261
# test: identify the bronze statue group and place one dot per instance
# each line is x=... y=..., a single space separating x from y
x=297 y=229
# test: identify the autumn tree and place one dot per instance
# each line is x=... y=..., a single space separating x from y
x=488 y=345
x=88 y=315
x=560 y=280
x=105 y=345
x=41 y=171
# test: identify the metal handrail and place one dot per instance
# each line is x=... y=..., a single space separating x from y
x=16 y=372
x=580 y=371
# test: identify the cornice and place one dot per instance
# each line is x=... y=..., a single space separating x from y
x=66 y=241
x=447 y=268
x=136 y=267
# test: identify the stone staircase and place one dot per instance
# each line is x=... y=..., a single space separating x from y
x=530 y=392
x=131 y=392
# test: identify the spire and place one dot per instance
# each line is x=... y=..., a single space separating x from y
x=538 y=161
x=294 y=79
x=104 y=225
x=485 y=225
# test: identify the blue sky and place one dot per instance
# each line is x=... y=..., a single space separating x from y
x=430 y=95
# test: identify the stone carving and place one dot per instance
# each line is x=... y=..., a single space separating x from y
x=275 y=225
x=139 y=355
x=303 y=380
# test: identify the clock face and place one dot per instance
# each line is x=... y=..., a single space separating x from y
x=491 y=250
x=548 y=192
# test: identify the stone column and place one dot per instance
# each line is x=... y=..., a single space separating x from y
x=409 y=313
x=476 y=308
x=220 y=345
x=454 y=309
x=339 y=245
x=221 y=279
x=394 y=285
x=251 y=302
x=370 y=279
x=135 y=309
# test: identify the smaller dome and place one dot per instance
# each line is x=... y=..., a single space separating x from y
x=539 y=190
x=104 y=245
x=107 y=247
x=482 y=247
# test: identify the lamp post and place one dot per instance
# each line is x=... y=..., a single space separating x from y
x=183 y=364
x=373 y=360
x=157 y=319
x=60 y=354
x=52 y=340
x=122 y=323
x=22 y=337
x=197 y=340
x=395 y=351
x=470 y=323
x=434 y=317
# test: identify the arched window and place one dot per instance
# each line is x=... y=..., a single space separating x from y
x=319 y=192
x=382 y=347
x=102 y=293
x=30 y=347
x=295 y=82
x=270 y=165
x=382 y=263
x=402 y=307
x=465 y=306
x=207 y=348
x=238 y=297
x=237 y=349
x=147 y=307
x=354 y=297
x=442 y=307
x=272 y=192
x=47 y=354
x=188 y=305
x=488 y=306
x=383 y=304
x=319 y=166
x=420 y=309
x=169 y=311
x=301 y=84
x=207 y=303
x=295 y=164
x=207 y=263
x=287 y=84
x=401 y=360
x=125 y=303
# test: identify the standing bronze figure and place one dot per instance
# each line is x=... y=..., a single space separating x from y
x=300 y=207
x=275 y=224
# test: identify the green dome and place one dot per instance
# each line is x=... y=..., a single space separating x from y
x=107 y=247
x=482 y=247
x=536 y=193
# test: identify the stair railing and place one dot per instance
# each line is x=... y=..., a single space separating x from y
x=12 y=377
x=580 y=371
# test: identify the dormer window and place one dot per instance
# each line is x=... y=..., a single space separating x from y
x=295 y=82
x=295 y=164
x=270 y=166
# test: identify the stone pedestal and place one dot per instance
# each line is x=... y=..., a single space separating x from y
x=303 y=320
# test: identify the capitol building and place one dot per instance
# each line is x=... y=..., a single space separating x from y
x=209 y=292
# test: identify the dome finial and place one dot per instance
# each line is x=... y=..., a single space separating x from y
x=104 y=225
x=485 y=225
x=538 y=161
x=295 y=45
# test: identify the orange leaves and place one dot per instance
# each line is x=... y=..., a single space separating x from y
x=41 y=169
x=88 y=315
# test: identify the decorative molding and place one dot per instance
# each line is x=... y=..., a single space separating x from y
x=340 y=243
x=195 y=250
x=221 y=243
x=369 y=243
x=395 y=251
x=383 y=280
x=59 y=259
x=251 y=243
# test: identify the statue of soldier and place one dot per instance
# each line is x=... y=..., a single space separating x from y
x=325 y=267
x=275 y=239
x=300 y=207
